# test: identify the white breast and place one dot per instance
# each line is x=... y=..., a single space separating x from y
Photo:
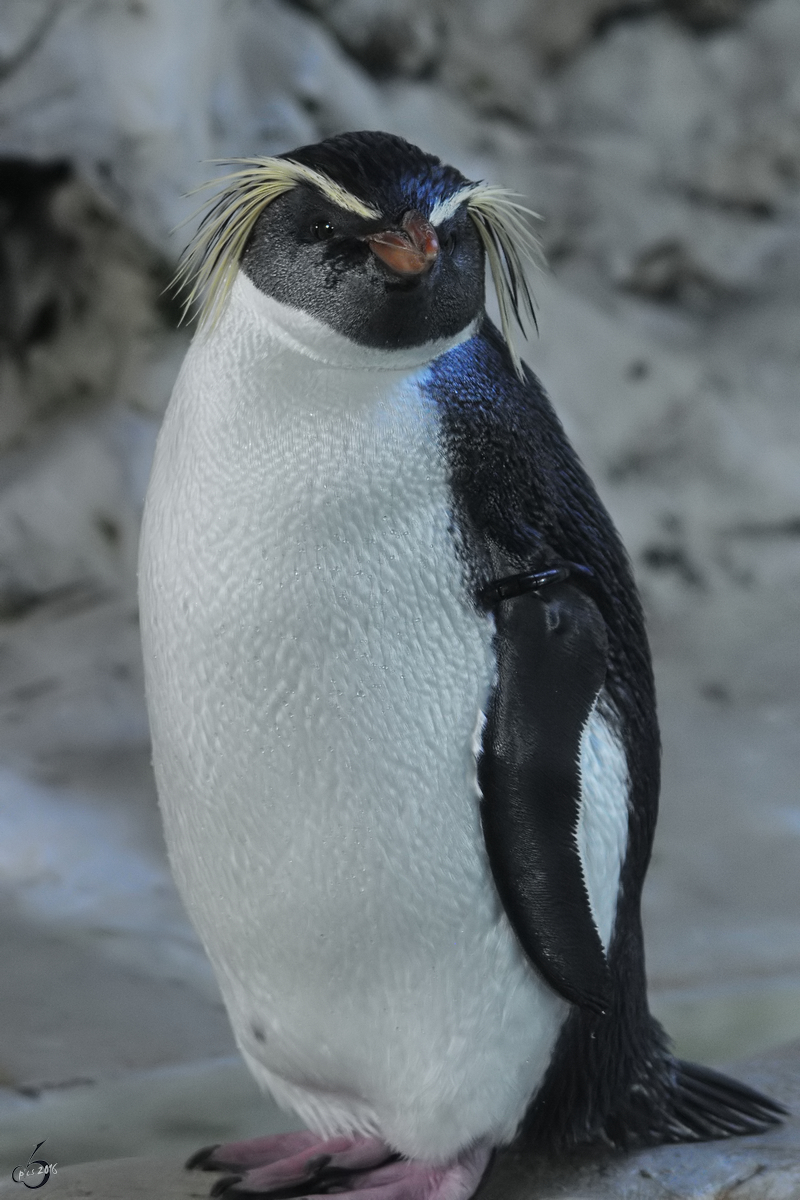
x=315 y=676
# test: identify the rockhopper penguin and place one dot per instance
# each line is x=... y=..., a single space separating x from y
x=401 y=699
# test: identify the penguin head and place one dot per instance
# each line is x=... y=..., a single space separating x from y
x=371 y=236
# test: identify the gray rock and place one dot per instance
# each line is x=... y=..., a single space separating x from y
x=404 y=39
x=79 y=297
x=705 y=16
x=123 y=1009
x=124 y=1179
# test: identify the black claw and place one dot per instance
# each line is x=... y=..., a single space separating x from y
x=315 y=1166
x=201 y=1157
x=227 y=1181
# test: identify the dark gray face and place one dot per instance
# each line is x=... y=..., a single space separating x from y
x=308 y=253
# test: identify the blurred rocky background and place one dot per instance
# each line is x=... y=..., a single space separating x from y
x=660 y=141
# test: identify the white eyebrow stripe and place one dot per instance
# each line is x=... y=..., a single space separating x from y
x=443 y=210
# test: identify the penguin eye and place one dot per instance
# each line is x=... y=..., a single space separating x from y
x=322 y=230
x=448 y=241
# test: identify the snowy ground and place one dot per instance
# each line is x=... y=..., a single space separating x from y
x=666 y=163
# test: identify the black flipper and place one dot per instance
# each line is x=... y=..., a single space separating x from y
x=551 y=651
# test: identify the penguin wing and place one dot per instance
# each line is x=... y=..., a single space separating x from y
x=551 y=649
x=520 y=495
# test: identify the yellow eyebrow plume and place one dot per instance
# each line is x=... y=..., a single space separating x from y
x=503 y=225
x=208 y=267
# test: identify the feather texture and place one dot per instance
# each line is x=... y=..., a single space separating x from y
x=209 y=265
x=511 y=247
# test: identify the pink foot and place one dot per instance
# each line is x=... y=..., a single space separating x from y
x=303 y=1165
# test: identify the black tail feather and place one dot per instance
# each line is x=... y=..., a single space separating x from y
x=614 y=1080
x=603 y=1086
x=706 y=1105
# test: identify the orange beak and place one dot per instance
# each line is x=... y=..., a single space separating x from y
x=411 y=250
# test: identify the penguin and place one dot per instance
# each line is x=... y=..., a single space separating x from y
x=400 y=693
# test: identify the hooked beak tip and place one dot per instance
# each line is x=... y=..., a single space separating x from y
x=410 y=250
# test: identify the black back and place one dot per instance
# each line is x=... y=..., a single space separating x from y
x=522 y=498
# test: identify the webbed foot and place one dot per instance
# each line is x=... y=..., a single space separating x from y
x=304 y=1165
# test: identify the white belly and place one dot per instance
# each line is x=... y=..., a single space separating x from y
x=315 y=677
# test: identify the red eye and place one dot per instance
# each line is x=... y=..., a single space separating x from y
x=322 y=230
